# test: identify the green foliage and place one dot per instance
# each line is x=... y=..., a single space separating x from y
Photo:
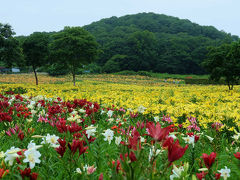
x=144 y=73
x=35 y=49
x=10 y=50
x=16 y=90
x=73 y=48
x=224 y=61
x=156 y=42
x=204 y=81
x=126 y=72
x=114 y=64
x=57 y=69
x=93 y=68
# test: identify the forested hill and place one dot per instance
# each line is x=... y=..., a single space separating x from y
x=154 y=42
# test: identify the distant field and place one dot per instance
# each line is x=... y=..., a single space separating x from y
x=123 y=79
x=163 y=75
x=110 y=125
x=179 y=76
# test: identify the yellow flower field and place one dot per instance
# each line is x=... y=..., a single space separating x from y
x=207 y=103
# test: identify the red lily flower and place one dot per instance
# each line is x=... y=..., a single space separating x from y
x=156 y=132
x=61 y=150
x=196 y=138
x=217 y=175
x=21 y=135
x=62 y=142
x=134 y=140
x=209 y=159
x=175 y=151
x=118 y=165
x=237 y=155
x=3 y=172
x=100 y=177
x=33 y=176
x=26 y=172
x=81 y=147
x=132 y=157
x=201 y=175
x=168 y=142
x=74 y=146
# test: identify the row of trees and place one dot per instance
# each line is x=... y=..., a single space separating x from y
x=70 y=48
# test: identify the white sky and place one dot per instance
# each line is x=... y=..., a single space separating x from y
x=28 y=16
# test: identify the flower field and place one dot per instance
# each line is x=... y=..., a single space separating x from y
x=117 y=127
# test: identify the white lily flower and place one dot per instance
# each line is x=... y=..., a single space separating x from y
x=11 y=155
x=110 y=113
x=154 y=152
x=176 y=172
x=51 y=139
x=142 y=139
x=203 y=169
x=78 y=170
x=82 y=111
x=108 y=135
x=189 y=140
x=236 y=136
x=210 y=138
x=156 y=119
x=90 y=131
x=32 y=156
x=2 y=154
x=118 y=140
x=141 y=109
x=32 y=145
x=225 y=173
x=172 y=136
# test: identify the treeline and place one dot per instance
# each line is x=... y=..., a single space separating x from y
x=140 y=42
x=153 y=42
x=64 y=51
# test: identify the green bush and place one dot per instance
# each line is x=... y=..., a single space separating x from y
x=111 y=66
x=92 y=68
x=57 y=69
x=126 y=72
x=144 y=73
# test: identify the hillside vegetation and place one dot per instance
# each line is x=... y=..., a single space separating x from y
x=154 y=42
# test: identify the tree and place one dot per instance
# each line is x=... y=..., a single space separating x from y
x=73 y=47
x=35 y=49
x=10 y=50
x=142 y=51
x=114 y=64
x=224 y=62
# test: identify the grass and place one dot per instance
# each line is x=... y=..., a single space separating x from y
x=178 y=76
x=163 y=75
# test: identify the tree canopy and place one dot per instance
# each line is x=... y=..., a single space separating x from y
x=35 y=49
x=73 y=47
x=224 y=62
x=10 y=51
x=156 y=42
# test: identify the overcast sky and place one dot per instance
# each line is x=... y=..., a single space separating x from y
x=28 y=16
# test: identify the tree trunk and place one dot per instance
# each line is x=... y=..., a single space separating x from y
x=230 y=85
x=74 y=81
x=35 y=73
